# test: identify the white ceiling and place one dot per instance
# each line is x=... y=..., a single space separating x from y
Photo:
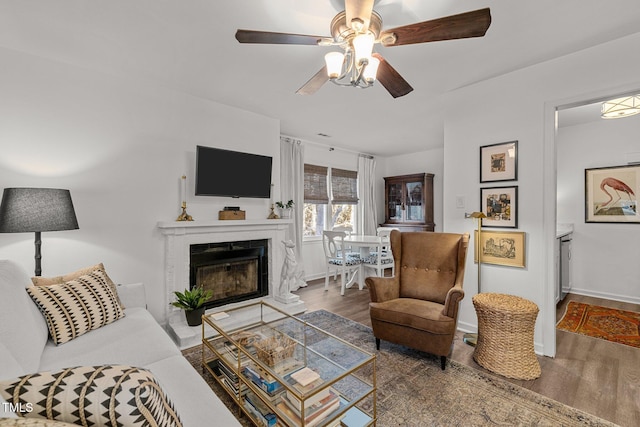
x=189 y=45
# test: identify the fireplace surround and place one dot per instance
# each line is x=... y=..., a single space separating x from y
x=232 y=271
x=179 y=236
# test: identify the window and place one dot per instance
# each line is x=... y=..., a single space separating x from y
x=320 y=211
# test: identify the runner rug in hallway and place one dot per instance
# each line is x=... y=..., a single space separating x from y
x=414 y=391
x=610 y=324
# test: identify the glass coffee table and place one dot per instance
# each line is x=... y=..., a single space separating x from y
x=281 y=370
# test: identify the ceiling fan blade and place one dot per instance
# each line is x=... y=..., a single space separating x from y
x=391 y=79
x=359 y=9
x=461 y=26
x=251 y=36
x=314 y=83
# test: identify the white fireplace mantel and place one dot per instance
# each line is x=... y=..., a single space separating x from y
x=180 y=235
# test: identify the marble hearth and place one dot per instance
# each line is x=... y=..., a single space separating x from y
x=179 y=236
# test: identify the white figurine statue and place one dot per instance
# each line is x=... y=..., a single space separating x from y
x=288 y=277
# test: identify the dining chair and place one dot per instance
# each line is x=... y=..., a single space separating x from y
x=349 y=250
x=337 y=257
x=381 y=257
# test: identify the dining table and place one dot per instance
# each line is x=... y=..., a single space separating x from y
x=364 y=243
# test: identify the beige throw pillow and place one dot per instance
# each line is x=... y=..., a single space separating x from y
x=76 y=307
x=113 y=395
x=59 y=280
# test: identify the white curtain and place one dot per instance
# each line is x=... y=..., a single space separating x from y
x=367 y=213
x=292 y=188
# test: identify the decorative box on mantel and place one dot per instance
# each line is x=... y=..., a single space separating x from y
x=179 y=236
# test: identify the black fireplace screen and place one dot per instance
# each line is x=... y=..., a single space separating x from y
x=233 y=271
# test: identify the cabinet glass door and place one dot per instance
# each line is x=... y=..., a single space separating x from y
x=394 y=199
x=414 y=202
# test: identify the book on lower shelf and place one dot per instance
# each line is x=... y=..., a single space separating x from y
x=314 y=415
x=354 y=417
x=266 y=382
x=306 y=391
x=259 y=410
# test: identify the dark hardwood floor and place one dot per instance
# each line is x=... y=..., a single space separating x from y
x=593 y=375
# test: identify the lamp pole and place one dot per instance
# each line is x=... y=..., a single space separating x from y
x=471 y=338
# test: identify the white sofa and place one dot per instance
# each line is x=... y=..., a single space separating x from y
x=136 y=340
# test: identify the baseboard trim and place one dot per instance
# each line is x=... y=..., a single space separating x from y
x=606 y=295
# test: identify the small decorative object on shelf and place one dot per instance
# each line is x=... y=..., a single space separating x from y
x=192 y=302
x=274 y=350
x=273 y=214
x=184 y=216
x=285 y=209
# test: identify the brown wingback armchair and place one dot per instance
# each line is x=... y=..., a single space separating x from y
x=418 y=307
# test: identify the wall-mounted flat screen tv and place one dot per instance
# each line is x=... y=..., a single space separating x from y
x=228 y=173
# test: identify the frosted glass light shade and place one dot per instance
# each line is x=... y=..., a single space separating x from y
x=370 y=71
x=334 y=61
x=621 y=107
x=363 y=45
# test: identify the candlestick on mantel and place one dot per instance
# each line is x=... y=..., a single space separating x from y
x=272 y=215
x=184 y=216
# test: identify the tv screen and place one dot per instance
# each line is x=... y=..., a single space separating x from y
x=232 y=174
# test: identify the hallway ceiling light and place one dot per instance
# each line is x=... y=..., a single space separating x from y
x=621 y=107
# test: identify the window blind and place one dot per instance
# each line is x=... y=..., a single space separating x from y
x=315 y=184
x=344 y=187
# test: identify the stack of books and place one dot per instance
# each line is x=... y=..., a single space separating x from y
x=317 y=407
x=263 y=380
x=259 y=410
x=228 y=365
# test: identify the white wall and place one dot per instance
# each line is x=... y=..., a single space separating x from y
x=516 y=107
x=120 y=146
x=605 y=256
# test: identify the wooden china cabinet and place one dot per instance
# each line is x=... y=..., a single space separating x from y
x=408 y=201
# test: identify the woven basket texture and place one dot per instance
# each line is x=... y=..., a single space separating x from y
x=505 y=335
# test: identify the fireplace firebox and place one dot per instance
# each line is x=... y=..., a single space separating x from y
x=233 y=271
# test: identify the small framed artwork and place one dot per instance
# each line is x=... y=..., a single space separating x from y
x=611 y=194
x=501 y=248
x=499 y=162
x=500 y=205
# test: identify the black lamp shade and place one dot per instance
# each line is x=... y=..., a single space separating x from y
x=36 y=209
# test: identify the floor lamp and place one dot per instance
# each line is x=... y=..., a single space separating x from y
x=36 y=210
x=469 y=338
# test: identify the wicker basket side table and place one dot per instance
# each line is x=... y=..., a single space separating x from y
x=505 y=335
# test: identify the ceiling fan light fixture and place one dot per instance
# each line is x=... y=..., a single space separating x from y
x=363 y=46
x=621 y=107
x=370 y=70
x=334 y=61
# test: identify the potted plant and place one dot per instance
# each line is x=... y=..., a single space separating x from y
x=285 y=208
x=192 y=302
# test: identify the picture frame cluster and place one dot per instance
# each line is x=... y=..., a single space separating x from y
x=499 y=164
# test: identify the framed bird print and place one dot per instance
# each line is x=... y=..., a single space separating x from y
x=611 y=194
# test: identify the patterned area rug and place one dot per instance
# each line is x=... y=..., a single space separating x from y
x=414 y=391
x=618 y=326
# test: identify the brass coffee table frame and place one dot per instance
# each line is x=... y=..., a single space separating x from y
x=219 y=332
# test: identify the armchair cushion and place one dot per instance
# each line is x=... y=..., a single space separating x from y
x=428 y=267
x=414 y=313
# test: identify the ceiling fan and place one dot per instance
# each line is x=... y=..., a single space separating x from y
x=356 y=29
